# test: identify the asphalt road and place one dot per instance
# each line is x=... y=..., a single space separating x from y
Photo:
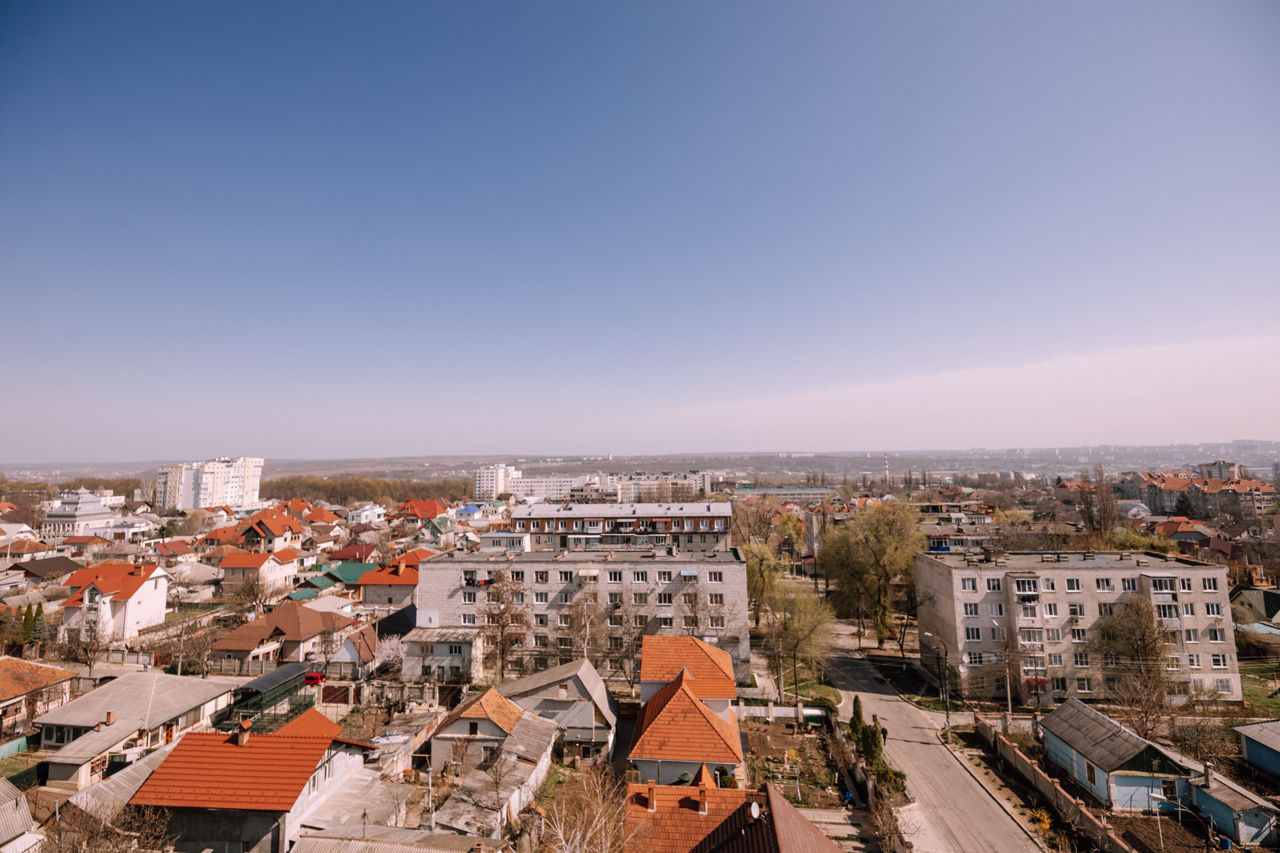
x=954 y=813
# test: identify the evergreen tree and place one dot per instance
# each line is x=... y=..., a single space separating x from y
x=28 y=623
x=1184 y=507
x=39 y=628
x=869 y=743
x=856 y=723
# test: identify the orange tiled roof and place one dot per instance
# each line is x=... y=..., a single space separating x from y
x=396 y=575
x=211 y=771
x=489 y=705
x=223 y=551
x=291 y=620
x=320 y=515
x=297 y=506
x=674 y=825
x=26 y=546
x=414 y=557
x=310 y=723
x=675 y=726
x=223 y=536
x=420 y=509
x=245 y=561
x=287 y=555
x=18 y=677
x=119 y=580
x=275 y=524
x=85 y=540
x=662 y=658
x=5 y=506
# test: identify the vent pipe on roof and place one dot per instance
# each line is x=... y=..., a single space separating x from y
x=702 y=799
x=652 y=801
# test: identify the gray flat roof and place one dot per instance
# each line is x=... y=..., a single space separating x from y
x=147 y=698
x=1038 y=561
x=637 y=510
x=601 y=559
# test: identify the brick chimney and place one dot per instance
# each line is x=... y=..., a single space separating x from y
x=242 y=732
x=111 y=718
x=702 y=799
x=652 y=798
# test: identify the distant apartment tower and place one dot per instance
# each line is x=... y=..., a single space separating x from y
x=636 y=527
x=493 y=480
x=216 y=482
x=1031 y=618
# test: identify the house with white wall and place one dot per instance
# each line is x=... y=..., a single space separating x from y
x=118 y=599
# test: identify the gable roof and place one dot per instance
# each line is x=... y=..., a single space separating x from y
x=674 y=825
x=222 y=536
x=396 y=575
x=246 y=561
x=357 y=553
x=173 y=548
x=350 y=573
x=119 y=580
x=420 y=509
x=271 y=524
x=211 y=770
x=663 y=657
x=675 y=725
x=489 y=705
x=580 y=669
x=292 y=621
x=18 y=676
x=1100 y=739
x=150 y=698
x=49 y=567
x=414 y=557
x=320 y=515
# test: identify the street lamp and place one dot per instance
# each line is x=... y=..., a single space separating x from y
x=946 y=690
x=1179 y=807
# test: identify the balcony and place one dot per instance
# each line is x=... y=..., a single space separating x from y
x=1171 y=624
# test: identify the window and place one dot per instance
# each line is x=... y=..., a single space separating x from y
x=1212 y=608
x=1167 y=611
x=468 y=619
x=1110 y=660
x=540 y=619
x=1217 y=635
x=1219 y=661
x=1073 y=584
x=972 y=635
x=468 y=597
x=615 y=577
x=615 y=620
x=540 y=598
x=1080 y=659
x=1075 y=609
x=639 y=577
x=1084 y=685
x=1051 y=609
x=691 y=621
x=977 y=658
x=615 y=644
x=664 y=577
x=1055 y=658
x=640 y=598
x=664 y=599
x=1223 y=685
x=564 y=621
x=1025 y=585
x=689 y=598
x=1193 y=661
x=540 y=641
x=540 y=577
x=1028 y=611
x=1184 y=584
x=664 y=622
x=455 y=649
x=1102 y=584
x=993 y=584
x=1031 y=635
x=566 y=577
x=997 y=608
x=1129 y=584
x=1162 y=584
x=1190 y=635
x=1053 y=635
x=715 y=598
x=715 y=577
x=717 y=621
x=1090 y=773
x=968 y=584
x=997 y=634
x=565 y=597
x=1173 y=663
x=615 y=598
x=1188 y=609
x=1106 y=609
x=518 y=576
x=1210 y=584
x=640 y=620
x=1058 y=684
x=565 y=642
x=1077 y=635
x=971 y=608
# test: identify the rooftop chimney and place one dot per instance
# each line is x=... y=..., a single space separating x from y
x=111 y=718
x=702 y=799
x=242 y=732
x=1208 y=774
x=652 y=801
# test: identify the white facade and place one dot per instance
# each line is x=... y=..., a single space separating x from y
x=494 y=480
x=216 y=482
x=367 y=514
x=78 y=513
x=121 y=618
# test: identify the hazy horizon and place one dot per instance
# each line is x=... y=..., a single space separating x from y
x=317 y=230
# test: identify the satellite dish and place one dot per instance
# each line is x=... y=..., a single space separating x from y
x=964 y=658
x=755 y=810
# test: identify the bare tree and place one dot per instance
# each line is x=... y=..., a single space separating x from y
x=252 y=593
x=1133 y=643
x=390 y=653
x=506 y=616
x=589 y=815
x=77 y=831
x=589 y=619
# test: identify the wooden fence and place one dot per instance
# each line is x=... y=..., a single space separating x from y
x=1071 y=810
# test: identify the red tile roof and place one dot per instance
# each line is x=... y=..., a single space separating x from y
x=290 y=621
x=85 y=540
x=320 y=515
x=174 y=548
x=662 y=658
x=273 y=524
x=26 y=546
x=354 y=553
x=396 y=575
x=414 y=557
x=675 y=725
x=223 y=536
x=287 y=555
x=245 y=561
x=18 y=677
x=212 y=771
x=675 y=825
x=119 y=580
x=420 y=509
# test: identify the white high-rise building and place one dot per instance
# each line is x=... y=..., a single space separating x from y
x=216 y=482
x=494 y=480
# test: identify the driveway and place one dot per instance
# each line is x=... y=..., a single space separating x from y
x=953 y=812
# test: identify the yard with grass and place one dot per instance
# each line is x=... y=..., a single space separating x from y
x=1258 y=683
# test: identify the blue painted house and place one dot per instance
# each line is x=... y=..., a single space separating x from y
x=1260 y=745
x=1128 y=773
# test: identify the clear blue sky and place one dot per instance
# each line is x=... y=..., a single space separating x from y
x=331 y=229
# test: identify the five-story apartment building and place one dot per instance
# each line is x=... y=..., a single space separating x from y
x=699 y=526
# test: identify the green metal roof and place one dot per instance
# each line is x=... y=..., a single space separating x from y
x=320 y=582
x=349 y=573
x=303 y=594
